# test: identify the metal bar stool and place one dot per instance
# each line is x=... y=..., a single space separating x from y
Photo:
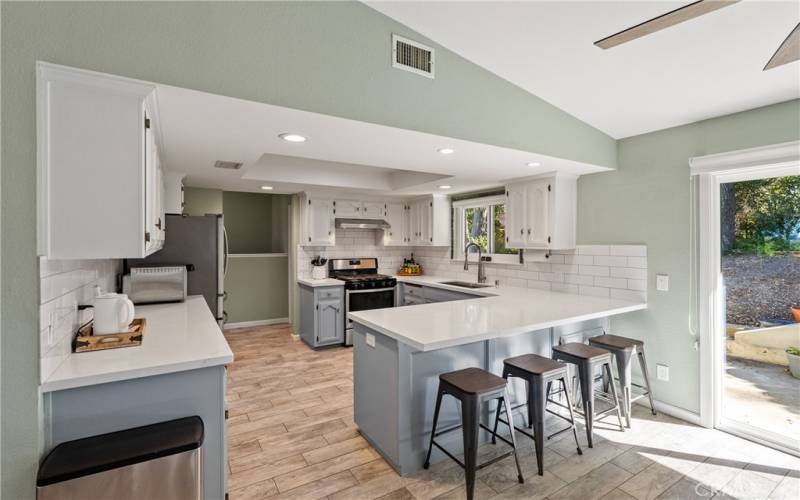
x=539 y=374
x=587 y=358
x=623 y=349
x=472 y=387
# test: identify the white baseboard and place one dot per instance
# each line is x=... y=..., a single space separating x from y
x=672 y=411
x=260 y=322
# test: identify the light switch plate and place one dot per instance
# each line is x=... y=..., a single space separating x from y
x=370 y=340
x=662 y=282
x=662 y=372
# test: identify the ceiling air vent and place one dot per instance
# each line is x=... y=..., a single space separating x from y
x=412 y=56
x=230 y=165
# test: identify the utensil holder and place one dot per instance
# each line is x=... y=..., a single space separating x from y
x=319 y=272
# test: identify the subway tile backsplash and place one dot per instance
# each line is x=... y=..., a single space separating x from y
x=63 y=285
x=617 y=271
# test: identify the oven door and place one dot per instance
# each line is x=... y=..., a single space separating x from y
x=362 y=300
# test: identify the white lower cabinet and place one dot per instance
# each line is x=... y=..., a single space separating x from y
x=100 y=192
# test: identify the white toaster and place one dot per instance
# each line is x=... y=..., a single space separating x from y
x=148 y=285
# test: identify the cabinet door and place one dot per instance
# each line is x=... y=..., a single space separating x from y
x=413 y=223
x=426 y=222
x=320 y=222
x=348 y=208
x=537 y=198
x=515 y=216
x=150 y=181
x=330 y=322
x=373 y=210
x=395 y=217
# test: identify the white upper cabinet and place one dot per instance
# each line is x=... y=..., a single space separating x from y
x=357 y=209
x=397 y=217
x=541 y=213
x=373 y=210
x=318 y=221
x=348 y=209
x=99 y=186
x=173 y=192
x=429 y=221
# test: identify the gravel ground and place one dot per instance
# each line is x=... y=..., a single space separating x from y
x=761 y=288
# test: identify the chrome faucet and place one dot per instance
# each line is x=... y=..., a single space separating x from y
x=481 y=270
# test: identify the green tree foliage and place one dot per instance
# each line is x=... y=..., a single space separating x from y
x=767 y=214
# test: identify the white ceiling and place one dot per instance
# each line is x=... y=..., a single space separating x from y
x=198 y=128
x=706 y=67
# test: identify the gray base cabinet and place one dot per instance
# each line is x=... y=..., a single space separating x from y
x=102 y=408
x=411 y=294
x=322 y=315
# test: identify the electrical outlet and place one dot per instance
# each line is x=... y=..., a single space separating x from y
x=370 y=340
x=662 y=372
x=662 y=282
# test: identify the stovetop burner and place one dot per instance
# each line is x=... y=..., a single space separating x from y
x=359 y=274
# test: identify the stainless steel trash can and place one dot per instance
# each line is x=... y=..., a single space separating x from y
x=158 y=461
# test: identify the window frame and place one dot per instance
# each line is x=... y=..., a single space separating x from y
x=459 y=237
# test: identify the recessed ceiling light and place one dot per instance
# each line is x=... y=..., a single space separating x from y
x=446 y=151
x=445 y=187
x=266 y=188
x=293 y=137
x=533 y=164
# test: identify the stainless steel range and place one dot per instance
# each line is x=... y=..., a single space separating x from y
x=364 y=287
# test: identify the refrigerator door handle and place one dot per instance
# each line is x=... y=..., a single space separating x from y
x=225 y=262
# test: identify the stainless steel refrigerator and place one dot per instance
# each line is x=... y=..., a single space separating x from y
x=200 y=243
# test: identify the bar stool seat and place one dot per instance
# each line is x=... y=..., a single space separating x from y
x=581 y=351
x=534 y=364
x=623 y=349
x=539 y=373
x=587 y=358
x=472 y=387
x=473 y=380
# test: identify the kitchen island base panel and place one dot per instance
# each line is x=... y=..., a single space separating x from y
x=102 y=408
x=394 y=388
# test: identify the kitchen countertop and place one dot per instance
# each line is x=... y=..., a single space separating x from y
x=323 y=282
x=494 y=312
x=178 y=337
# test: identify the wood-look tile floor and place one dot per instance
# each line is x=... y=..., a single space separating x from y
x=291 y=435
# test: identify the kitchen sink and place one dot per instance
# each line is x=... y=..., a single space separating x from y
x=466 y=284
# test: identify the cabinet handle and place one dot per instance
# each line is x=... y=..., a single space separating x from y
x=147 y=237
x=158 y=224
x=521 y=232
x=529 y=231
x=309 y=238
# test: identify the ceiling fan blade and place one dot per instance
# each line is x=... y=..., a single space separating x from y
x=671 y=18
x=788 y=51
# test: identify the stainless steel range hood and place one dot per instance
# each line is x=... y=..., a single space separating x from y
x=362 y=224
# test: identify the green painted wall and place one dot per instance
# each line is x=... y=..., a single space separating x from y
x=201 y=201
x=257 y=288
x=256 y=222
x=648 y=200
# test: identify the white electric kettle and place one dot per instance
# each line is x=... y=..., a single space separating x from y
x=113 y=313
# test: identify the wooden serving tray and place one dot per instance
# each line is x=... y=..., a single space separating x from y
x=85 y=341
x=401 y=273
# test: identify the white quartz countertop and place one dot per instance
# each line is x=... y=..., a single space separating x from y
x=494 y=312
x=178 y=337
x=323 y=282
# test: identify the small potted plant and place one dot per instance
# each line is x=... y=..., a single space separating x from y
x=793 y=353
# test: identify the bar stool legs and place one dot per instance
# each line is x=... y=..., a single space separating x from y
x=539 y=378
x=586 y=358
x=624 y=349
x=472 y=387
